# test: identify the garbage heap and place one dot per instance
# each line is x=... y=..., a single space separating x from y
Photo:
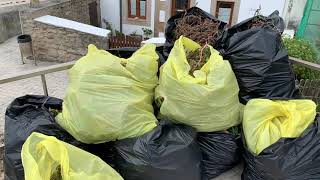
x=220 y=97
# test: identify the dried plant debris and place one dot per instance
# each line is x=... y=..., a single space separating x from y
x=197 y=58
x=261 y=21
x=200 y=29
x=56 y=175
x=55 y=112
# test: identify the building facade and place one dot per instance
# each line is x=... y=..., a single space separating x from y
x=133 y=15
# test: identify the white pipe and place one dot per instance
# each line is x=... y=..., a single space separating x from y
x=153 y=6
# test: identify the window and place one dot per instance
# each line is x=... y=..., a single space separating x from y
x=179 y=6
x=224 y=11
x=137 y=9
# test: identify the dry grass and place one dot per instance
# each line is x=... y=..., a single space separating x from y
x=198 y=58
x=199 y=29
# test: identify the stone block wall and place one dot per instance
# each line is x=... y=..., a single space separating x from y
x=58 y=44
x=76 y=10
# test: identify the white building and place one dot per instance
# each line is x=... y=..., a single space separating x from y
x=131 y=16
x=153 y=14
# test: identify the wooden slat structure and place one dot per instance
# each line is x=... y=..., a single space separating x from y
x=309 y=89
x=124 y=41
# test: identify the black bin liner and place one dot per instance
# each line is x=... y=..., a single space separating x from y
x=126 y=52
x=259 y=60
x=25 y=115
x=171 y=26
x=24 y=38
x=287 y=159
x=221 y=151
x=29 y=114
x=168 y=152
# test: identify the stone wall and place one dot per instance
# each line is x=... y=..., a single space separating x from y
x=57 y=44
x=76 y=10
x=9 y=25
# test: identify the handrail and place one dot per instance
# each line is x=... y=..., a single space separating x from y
x=37 y=72
x=64 y=66
x=307 y=64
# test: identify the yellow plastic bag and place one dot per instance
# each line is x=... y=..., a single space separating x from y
x=47 y=158
x=266 y=121
x=208 y=101
x=110 y=98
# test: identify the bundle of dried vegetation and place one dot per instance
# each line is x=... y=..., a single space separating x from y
x=202 y=30
x=261 y=21
x=198 y=58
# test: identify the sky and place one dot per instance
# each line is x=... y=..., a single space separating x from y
x=248 y=7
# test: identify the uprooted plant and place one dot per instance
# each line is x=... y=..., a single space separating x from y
x=198 y=58
x=261 y=21
x=200 y=29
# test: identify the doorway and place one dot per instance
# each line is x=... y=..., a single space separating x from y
x=93 y=13
x=224 y=11
x=179 y=6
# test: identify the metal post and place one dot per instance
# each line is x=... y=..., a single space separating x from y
x=44 y=84
x=22 y=58
x=120 y=10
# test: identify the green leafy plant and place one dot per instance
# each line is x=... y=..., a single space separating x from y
x=147 y=32
x=134 y=33
x=118 y=33
x=304 y=50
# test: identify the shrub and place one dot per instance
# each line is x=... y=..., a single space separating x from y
x=147 y=32
x=118 y=33
x=304 y=50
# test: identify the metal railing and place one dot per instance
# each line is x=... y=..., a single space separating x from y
x=37 y=72
x=64 y=66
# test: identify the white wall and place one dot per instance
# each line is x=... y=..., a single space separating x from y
x=110 y=10
x=248 y=7
x=204 y=5
x=130 y=28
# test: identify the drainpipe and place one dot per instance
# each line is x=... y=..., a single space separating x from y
x=153 y=11
x=120 y=4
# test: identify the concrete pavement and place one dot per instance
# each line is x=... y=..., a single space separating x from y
x=10 y=63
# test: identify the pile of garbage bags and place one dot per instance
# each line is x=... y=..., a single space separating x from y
x=147 y=113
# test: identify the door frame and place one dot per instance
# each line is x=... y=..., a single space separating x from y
x=173 y=6
x=226 y=3
x=93 y=18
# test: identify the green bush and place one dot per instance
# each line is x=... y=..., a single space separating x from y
x=118 y=33
x=304 y=50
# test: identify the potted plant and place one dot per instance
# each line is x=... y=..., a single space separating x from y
x=147 y=33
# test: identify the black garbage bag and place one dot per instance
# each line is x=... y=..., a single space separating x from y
x=259 y=60
x=25 y=115
x=127 y=52
x=221 y=151
x=171 y=26
x=168 y=152
x=287 y=159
